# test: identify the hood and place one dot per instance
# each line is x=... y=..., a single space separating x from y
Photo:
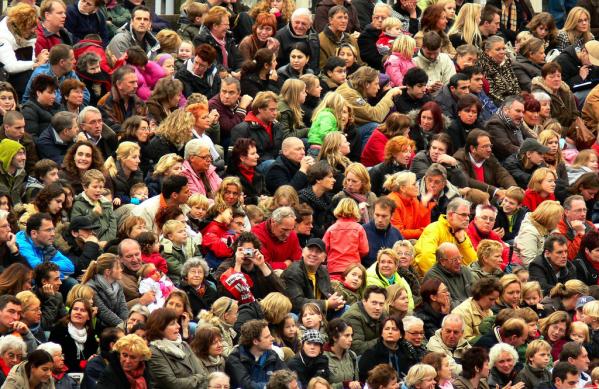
x=540 y=83
x=8 y=149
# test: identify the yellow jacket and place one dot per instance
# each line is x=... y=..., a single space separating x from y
x=374 y=278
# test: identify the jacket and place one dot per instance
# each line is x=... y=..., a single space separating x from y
x=329 y=42
x=18 y=379
x=175 y=257
x=590 y=112
x=122 y=184
x=585 y=271
x=35 y=255
x=323 y=209
x=229 y=117
x=324 y=123
x=233 y=56
x=112 y=308
x=502 y=79
x=510 y=227
x=188 y=31
x=410 y=216
x=216 y=243
x=504 y=137
x=366 y=329
x=541 y=270
x=379 y=173
x=496 y=176
x=373 y=277
x=37 y=118
x=522 y=175
x=208 y=85
x=367 y=40
x=46 y=40
x=530 y=239
x=267 y=146
x=300 y=289
x=50 y=146
x=114 y=376
x=74 y=359
x=464 y=383
x=563 y=103
x=17 y=58
x=47 y=70
x=373 y=152
x=285 y=172
x=287 y=37
x=436 y=344
x=401 y=359
x=396 y=66
x=441 y=69
x=346 y=243
x=433 y=235
x=94 y=46
x=52 y=307
x=473 y=316
x=571 y=65
x=321 y=16
x=458 y=284
x=147 y=77
x=363 y=111
x=379 y=239
x=125 y=38
x=342 y=370
x=113 y=109
x=195 y=183
x=574 y=239
x=175 y=370
x=247 y=373
x=533 y=377
x=80 y=24
x=432 y=319
x=276 y=252
x=525 y=71
x=306 y=368
x=83 y=206
x=197 y=301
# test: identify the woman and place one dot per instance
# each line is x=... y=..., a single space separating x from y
x=179 y=303
x=124 y=172
x=36 y=372
x=529 y=61
x=554 y=158
x=103 y=276
x=41 y=105
x=136 y=129
x=497 y=69
x=469 y=108
x=31 y=313
x=531 y=122
x=80 y=157
x=274 y=308
x=165 y=98
x=465 y=27
x=15 y=278
x=439 y=362
x=373 y=152
x=576 y=31
x=383 y=376
x=350 y=55
x=200 y=291
x=129 y=228
x=168 y=165
x=126 y=366
x=421 y=376
x=475 y=370
x=510 y=293
x=244 y=159
x=554 y=329
x=343 y=364
x=541 y=187
x=587 y=259
x=262 y=36
x=525 y=162
x=260 y=73
x=356 y=186
x=173 y=364
x=171 y=135
x=218 y=380
x=222 y=315
x=299 y=58
x=535 y=228
x=208 y=347
x=383 y=273
x=50 y=200
x=76 y=336
x=9 y=101
x=12 y=350
x=563 y=297
x=428 y=122
x=503 y=358
x=290 y=114
x=398 y=152
x=71 y=91
x=397 y=302
x=147 y=72
x=563 y=103
x=411 y=214
x=542 y=26
x=318 y=195
x=489 y=260
x=406 y=267
x=434 y=18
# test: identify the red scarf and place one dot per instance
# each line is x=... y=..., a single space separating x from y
x=58 y=376
x=4 y=367
x=250 y=117
x=247 y=172
x=349 y=287
x=136 y=377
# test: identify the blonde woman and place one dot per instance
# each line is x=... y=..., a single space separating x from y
x=585 y=162
x=535 y=228
x=31 y=314
x=489 y=260
x=577 y=29
x=383 y=273
x=421 y=376
x=327 y=117
x=356 y=186
x=541 y=187
x=222 y=315
x=168 y=165
x=273 y=308
x=564 y=294
x=411 y=215
x=117 y=375
x=554 y=158
x=397 y=302
x=465 y=27
x=510 y=293
x=334 y=151
x=591 y=317
x=400 y=60
x=282 y=9
x=290 y=117
x=172 y=134
x=124 y=172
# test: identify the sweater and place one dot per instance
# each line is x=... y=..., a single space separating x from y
x=276 y=252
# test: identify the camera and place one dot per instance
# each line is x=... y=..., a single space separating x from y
x=248 y=253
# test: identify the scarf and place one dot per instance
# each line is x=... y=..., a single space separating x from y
x=511 y=125
x=58 y=376
x=110 y=289
x=251 y=117
x=201 y=290
x=206 y=183
x=48 y=252
x=247 y=172
x=509 y=16
x=347 y=286
x=317 y=203
x=79 y=336
x=172 y=347
x=223 y=49
x=4 y=367
x=136 y=377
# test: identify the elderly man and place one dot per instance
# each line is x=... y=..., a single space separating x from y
x=306 y=281
x=121 y=102
x=366 y=318
x=505 y=127
x=280 y=244
x=574 y=225
x=372 y=30
x=94 y=130
x=299 y=29
x=291 y=167
x=55 y=140
x=130 y=258
x=449 y=229
x=137 y=33
x=50 y=31
x=552 y=266
x=435 y=182
x=201 y=174
x=576 y=354
x=14 y=128
x=9 y=251
x=12 y=169
x=449 y=270
x=449 y=340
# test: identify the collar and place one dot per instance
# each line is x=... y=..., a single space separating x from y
x=57 y=138
x=48 y=33
x=92 y=139
x=477 y=164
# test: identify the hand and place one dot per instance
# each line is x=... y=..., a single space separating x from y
x=214 y=116
x=460 y=235
x=186 y=318
x=97 y=210
x=305 y=163
x=20 y=327
x=499 y=231
x=81 y=137
x=578 y=226
x=583 y=72
x=237 y=75
x=396 y=91
x=147 y=298
x=355 y=34
x=42 y=58
x=11 y=243
x=272 y=44
x=274 y=76
x=355 y=385
x=447 y=160
x=257 y=258
x=426 y=198
x=335 y=301
x=274 y=10
x=91 y=238
x=411 y=8
x=116 y=202
x=435 y=86
x=48 y=289
x=245 y=101
x=94 y=311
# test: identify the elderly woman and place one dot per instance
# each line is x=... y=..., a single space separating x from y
x=398 y=152
x=173 y=364
x=356 y=186
x=374 y=150
x=168 y=165
x=383 y=273
x=59 y=371
x=203 y=121
x=411 y=214
x=41 y=106
x=537 y=225
x=201 y=174
x=502 y=362
x=222 y=315
x=137 y=314
x=127 y=365
x=489 y=260
x=263 y=32
x=164 y=99
x=208 y=347
x=244 y=159
x=12 y=350
x=421 y=376
x=31 y=313
x=529 y=61
x=545 y=106
x=497 y=68
x=124 y=172
x=171 y=135
x=577 y=29
x=201 y=292
x=541 y=187
x=36 y=372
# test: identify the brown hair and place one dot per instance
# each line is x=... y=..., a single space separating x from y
x=203 y=339
x=159 y=319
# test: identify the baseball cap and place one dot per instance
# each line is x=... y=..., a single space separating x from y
x=530 y=144
x=583 y=300
x=316 y=242
x=592 y=47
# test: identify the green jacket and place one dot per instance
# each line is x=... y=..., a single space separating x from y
x=366 y=329
x=13 y=185
x=176 y=256
x=344 y=369
x=117 y=16
x=373 y=277
x=83 y=206
x=322 y=124
x=285 y=118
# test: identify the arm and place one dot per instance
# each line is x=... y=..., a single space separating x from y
x=164 y=376
x=527 y=243
x=213 y=243
x=293 y=290
x=425 y=251
x=9 y=59
x=105 y=314
x=359 y=342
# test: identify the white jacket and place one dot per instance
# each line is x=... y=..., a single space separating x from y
x=439 y=70
x=8 y=45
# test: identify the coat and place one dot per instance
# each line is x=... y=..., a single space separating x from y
x=522 y=175
x=34 y=255
x=17 y=57
x=324 y=123
x=563 y=103
x=473 y=316
x=541 y=270
x=367 y=40
x=458 y=284
x=379 y=173
x=585 y=271
x=246 y=372
x=346 y=243
x=114 y=376
x=18 y=379
x=574 y=239
x=432 y=319
x=525 y=71
x=287 y=37
x=590 y=111
x=147 y=77
x=401 y=359
x=496 y=176
x=276 y=252
x=74 y=360
x=267 y=147
x=122 y=184
x=195 y=183
x=323 y=209
x=37 y=118
x=229 y=117
x=113 y=109
x=197 y=301
x=373 y=277
x=175 y=371
x=306 y=368
x=464 y=383
x=48 y=146
x=83 y=206
x=300 y=289
x=285 y=172
x=379 y=239
x=373 y=152
x=396 y=66
x=125 y=38
x=363 y=111
x=252 y=190
x=502 y=79
x=80 y=24
x=366 y=329
x=436 y=344
x=208 y=85
x=233 y=57
x=321 y=16
x=410 y=216
x=533 y=377
x=112 y=307
x=344 y=369
x=46 y=40
x=568 y=60
x=505 y=141
x=530 y=239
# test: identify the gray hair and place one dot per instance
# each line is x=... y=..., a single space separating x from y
x=141 y=309
x=404 y=243
x=452 y=317
x=301 y=12
x=500 y=348
x=63 y=120
x=51 y=347
x=12 y=342
x=194 y=146
x=126 y=242
x=231 y=81
x=456 y=203
x=194 y=262
x=541 y=96
x=217 y=374
x=492 y=40
x=443 y=247
x=282 y=213
x=484 y=207
x=510 y=100
x=3 y=214
x=384 y=6
x=410 y=321
x=85 y=111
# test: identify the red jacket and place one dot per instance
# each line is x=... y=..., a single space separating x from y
x=47 y=40
x=157 y=260
x=374 y=151
x=346 y=244
x=532 y=199
x=276 y=252
x=475 y=238
x=95 y=46
x=410 y=216
x=214 y=239
x=573 y=238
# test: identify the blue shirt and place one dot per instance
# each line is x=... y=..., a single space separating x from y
x=47 y=69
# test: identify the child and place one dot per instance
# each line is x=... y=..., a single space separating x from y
x=45 y=172
x=190 y=27
x=585 y=162
x=325 y=120
x=311 y=318
x=216 y=242
x=183 y=54
x=352 y=285
x=532 y=321
x=522 y=273
x=255 y=214
x=313 y=91
x=579 y=332
x=198 y=204
x=91 y=202
x=400 y=60
x=174 y=240
x=511 y=213
x=391 y=30
x=237 y=225
x=287 y=334
x=152 y=280
x=150 y=250
x=139 y=193
x=532 y=296
x=535 y=372
x=346 y=239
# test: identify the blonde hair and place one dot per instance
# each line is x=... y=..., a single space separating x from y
x=169 y=40
x=404 y=243
x=92 y=175
x=538 y=176
x=486 y=247
x=177 y=127
x=198 y=200
x=104 y=262
x=79 y=292
x=404 y=45
x=545 y=136
x=584 y=157
x=288 y=192
x=466 y=23
x=390 y=252
x=333 y=101
x=522 y=37
x=515 y=193
x=391 y=22
x=171 y=226
x=418 y=373
x=590 y=309
x=318 y=380
x=219 y=308
x=569 y=289
x=330 y=150
x=531 y=286
x=27 y=298
x=508 y=279
x=347 y=208
x=580 y=326
x=290 y=94
x=535 y=346
x=134 y=344
x=276 y=306
x=219 y=197
x=548 y=214
x=123 y=151
x=310 y=80
x=361 y=173
x=166 y=162
x=394 y=182
x=22 y=17
x=393 y=292
x=572 y=22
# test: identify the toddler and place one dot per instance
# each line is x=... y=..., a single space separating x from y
x=579 y=332
x=174 y=240
x=139 y=193
x=532 y=296
x=198 y=207
x=352 y=285
x=184 y=53
x=153 y=280
x=391 y=30
x=150 y=250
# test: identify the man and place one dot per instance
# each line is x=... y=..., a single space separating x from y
x=437 y=152
x=306 y=281
x=366 y=318
x=121 y=102
x=10 y=321
x=437 y=65
x=415 y=95
x=513 y=331
x=12 y=169
x=252 y=363
x=579 y=66
x=290 y=167
x=84 y=246
x=9 y=251
x=371 y=16
x=47 y=290
x=577 y=355
x=130 y=258
x=299 y=29
x=136 y=33
x=335 y=34
x=482 y=168
x=379 y=231
x=574 y=225
x=409 y=15
x=216 y=32
x=257 y=274
x=94 y=130
x=564 y=376
x=449 y=269
x=533 y=153
x=458 y=86
x=199 y=170
x=55 y=140
x=280 y=244
x=476 y=88
x=230 y=107
x=449 y=340
x=200 y=73
x=50 y=31
x=449 y=228
x=175 y=192
x=552 y=266
x=436 y=183
x=490 y=18
x=14 y=128
x=61 y=62
x=505 y=127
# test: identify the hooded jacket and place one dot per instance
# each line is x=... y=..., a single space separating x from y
x=125 y=38
x=247 y=372
x=396 y=66
x=287 y=37
x=93 y=46
x=410 y=216
x=374 y=277
x=11 y=184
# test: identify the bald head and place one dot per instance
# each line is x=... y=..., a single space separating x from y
x=130 y=254
x=293 y=149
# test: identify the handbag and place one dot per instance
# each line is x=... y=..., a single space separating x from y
x=581 y=135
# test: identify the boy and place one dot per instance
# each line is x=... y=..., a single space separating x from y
x=255 y=214
x=415 y=95
x=198 y=207
x=139 y=193
x=91 y=202
x=45 y=172
x=174 y=242
x=535 y=372
x=190 y=27
x=511 y=214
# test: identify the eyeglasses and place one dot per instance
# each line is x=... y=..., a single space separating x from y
x=205 y=157
x=404 y=253
x=464 y=215
x=415 y=333
x=454 y=259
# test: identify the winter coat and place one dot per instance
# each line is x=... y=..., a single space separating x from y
x=321 y=16
x=585 y=271
x=195 y=183
x=93 y=46
x=522 y=175
x=188 y=31
x=373 y=152
x=300 y=289
x=93 y=371
x=50 y=147
x=197 y=301
x=208 y=84
x=363 y=111
x=590 y=114
x=122 y=185
x=342 y=370
x=276 y=252
x=37 y=117
x=458 y=284
x=323 y=209
x=401 y=359
x=525 y=71
x=441 y=69
x=307 y=368
x=496 y=176
x=505 y=140
x=246 y=372
x=175 y=370
x=114 y=112
x=458 y=130
x=229 y=117
x=530 y=239
x=367 y=41
x=80 y=24
x=379 y=239
x=396 y=66
x=110 y=300
x=216 y=243
x=410 y=216
x=533 y=377
x=125 y=38
x=267 y=147
x=511 y=228
x=46 y=40
x=147 y=77
x=436 y=344
x=159 y=146
x=432 y=319
x=74 y=359
x=464 y=383
x=233 y=57
x=114 y=376
x=287 y=37
x=346 y=243
x=563 y=103
x=373 y=277
x=498 y=378
x=473 y=316
x=542 y=271
x=502 y=79
x=17 y=57
x=19 y=379
x=34 y=255
x=572 y=236
x=379 y=173
x=83 y=206
x=52 y=307
x=324 y=123
x=285 y=172
x=175 y=257
x=252 y=190
x=286 y=72
x=366 y=329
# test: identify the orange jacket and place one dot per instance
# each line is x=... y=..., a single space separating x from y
x=410 y=216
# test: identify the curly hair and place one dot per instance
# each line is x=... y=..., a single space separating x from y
x=166 y=88
x=176 y=127
x=22 y=18
x=68 y=163
x=264 y=6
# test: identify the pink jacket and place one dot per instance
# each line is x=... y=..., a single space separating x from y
x=195 y=183
x=147 y=78
x=346 y=243
x=396 y=66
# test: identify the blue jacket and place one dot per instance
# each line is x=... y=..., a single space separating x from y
x=48 y=147
x=379 y=239
x=47 y=69
x=489 y=107
x=81 y=25
x=34 y=255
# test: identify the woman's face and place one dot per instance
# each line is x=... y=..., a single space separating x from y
x=230 y=317
x=46 y=98
x=442 y=22
x=202 y=122
x=195 y=276
x=415 y=334
x=372 y=88
x=494 y=259
x=345 y=338
x=511 y=294
x=583 y=23
x=251 y=159
x=176 y=304
x=297 y=60
x=553 y=144
x=541 y=31
x=554 y=80
x=445 y=371
x=7 y=101
x=497 y=52
x=588 y=194
x=133 y=319
x=344 y=116
x=79 y=315
x=174 y=170
x=391 y=333
x=428 y=382
x=137 y=229
x=216 y=348
x=143 y=132
x=401 y=303
x=538 y=56
x=426 y=120
x=545 y=111
x=556 y=332
x=42 y=373
x=83 y=157
x=532 y=118
x=352 y=183
x=344 y=149
x=33 y=314
x=171 y=332
x=348 y=55
x=505 y=363
x=131 y=162
x=12 y=357
x=129 y=360
x=312 y=350
x=387 y=266
x=393 y=384
x=403 y=157
x=75 y=97
x=410 y=190
x=355 y=278
x=219 y=382
x=405 y=257
x=311 y=319
x=4 y=203
x=55 y=205
x=468 y=115
x=548 y=184
x=450 y=10
x=231 y=195
x=328 y=182
x=278 y=4
x=264 y=32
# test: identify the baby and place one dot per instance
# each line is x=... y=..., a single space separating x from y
x=183 y=54
x=391 y=30
x=152 y=280
x=139 y=193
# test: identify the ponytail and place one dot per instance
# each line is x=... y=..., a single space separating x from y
x=110 y=166
x=92 y=270
x=559 y=290
x=104 y=262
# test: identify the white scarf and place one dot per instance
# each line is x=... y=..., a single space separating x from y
x=78 y=335
x=172 y=347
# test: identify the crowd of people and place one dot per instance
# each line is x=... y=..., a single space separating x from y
x=352 y=195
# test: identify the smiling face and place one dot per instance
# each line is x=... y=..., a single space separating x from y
x=263 y=32
x=195 y=276
x=387 y=265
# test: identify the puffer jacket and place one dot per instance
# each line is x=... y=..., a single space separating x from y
x=366 y=329
x=363 y=111
x=83 y=206
x=473 y=316
x=396 y=67
x=563 y=103
x=19 y=379
x=110 y=300
x=410 y=216
x=373 y=277
x=436 y=344
x=324 y=123
x=525 y=71
x=147 y=77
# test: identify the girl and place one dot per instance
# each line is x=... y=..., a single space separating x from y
x=400 y=60
x=542 y=26
x=293 y=95
x=352 y=285
x=577 y=29
x=311 y=318
x=335 y=149
x=324 y=120
x=313 y=91
x=287 y=335
x=397 y=302
x=260 y=74
x=532 y=297
x=579 y=332
x=179 y=302
x=215 y=245
x=150 y=250
x=348 y=53
x=541 y=187
x=585 y=162
x=346 y=239
x=554 y=158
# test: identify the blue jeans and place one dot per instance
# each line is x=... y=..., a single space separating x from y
x=264 y=167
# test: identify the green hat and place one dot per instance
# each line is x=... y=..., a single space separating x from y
x=8 y=149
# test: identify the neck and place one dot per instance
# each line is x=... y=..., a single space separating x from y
x=256 y=352
x=487 y=269
x=78 y=326
x=33 y=382
x=12 y=169
x=263 y=74
x=310 y=269
x=54 y=29
x=57 y=70
x=318 y=190
x=139 y=35
x=337 y=350
x=476 y=158
x=126 y=170
x=72 y=107
x=474 y=381
x=390 y=345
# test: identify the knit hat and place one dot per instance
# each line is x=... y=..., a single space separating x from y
x=312 y=336
x=8 y=149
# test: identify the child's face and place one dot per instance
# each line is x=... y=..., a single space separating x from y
x=198 y=212
x=156 y=275
x=532 y=329
x=541 y=359
x=344 y=116
x=532 y=298
x=169 y=66
x=354 y=278
x=348 y=55
x=592 y=163
x=156 y=247
x=509 y=205
x=316 y=90
x=577 y=336
x=94 y=190
x=256 y=220
x=184 y=51
x=311 y=319
x=141 y=193
x=393 y=31
x=290 y=329
x=523 y=276
x=179 y=236
x=542 y=31
x=51 y=177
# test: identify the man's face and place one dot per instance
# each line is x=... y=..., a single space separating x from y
x=417 y=91
x=466 y=60
x=462 y=89
x=229 y=94
x=338 y=23
x=378 y=16
x=141 y=22
x=57 y=16
x=301 y=25
x=128 y=85
x=577 y=211
x=93 y=124
x=374 y=305
x=284 y=229
x=484 y=148
x=431 y=55
x=68 y=64
x=18 y=161
x=571 y=381
x=10 y=314
x=452 y=260
x=71 y=133
x=53 y=279
x=434 y=184
x=436 y=150
x=459 y=219
x=476 y=83
x=268 y=114
x=313 y=256
x=131 y=256
x=200 y=66
x=451 y=333
x=16 y=130
x=45 y=235
x=295 y=151
x=264 y=342
x=515 y=112
x=382 y=217
x=490 y=28
x=558 y=256
x=4 y=231
x=581 y=362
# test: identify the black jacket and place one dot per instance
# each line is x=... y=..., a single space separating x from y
x=52 y=306
x=322 y=207
x=7 y=258
x=122 y=185
x=251 y=84
x=422 y=162
x=378 y=174
x=234 y=57
x=285 y=172
x=308 y=368
x=48 y=147
x=404 y=103
x=368 y=37
x=209 y=85
x=245 y=372
x=72 y=358
x=160 y=146
x=247 y=312
x=511 y=230
x=585 y=272
x=401 y=359
x=199 y=302
x=81 y=256
x=287 y=38
x=267 y=148
x=525 y=70
x=540 y=270
x=431 y=318
x=108 y=143
x=114 y=375
x=458 y=132
x=37 y=118
x=513 y=164
x=570 y=64
x=252 y=190
x=299 y=288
